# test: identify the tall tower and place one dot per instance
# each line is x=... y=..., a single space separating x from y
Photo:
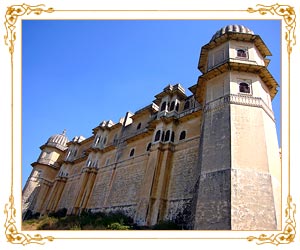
x=44 y=170
x=239 y=183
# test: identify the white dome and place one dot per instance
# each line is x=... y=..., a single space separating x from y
x=232 y=28
x=59 y=140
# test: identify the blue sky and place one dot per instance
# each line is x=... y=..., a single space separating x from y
x=76 y=74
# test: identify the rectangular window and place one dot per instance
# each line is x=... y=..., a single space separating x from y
x=245 y=86
x=242 y=53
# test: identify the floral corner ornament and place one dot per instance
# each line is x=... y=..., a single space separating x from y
x=289 y=17
x=11 y=231
x=11 y=17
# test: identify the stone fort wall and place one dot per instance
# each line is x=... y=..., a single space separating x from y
x=130 y=170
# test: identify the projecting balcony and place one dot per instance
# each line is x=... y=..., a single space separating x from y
x=189 y=111
x=178 y=115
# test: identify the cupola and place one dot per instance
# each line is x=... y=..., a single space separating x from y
x=58 y=141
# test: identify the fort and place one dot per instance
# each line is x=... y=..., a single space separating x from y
x=209 y=160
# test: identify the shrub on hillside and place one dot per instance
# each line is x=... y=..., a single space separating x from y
x=117 y=226
x=85 y=221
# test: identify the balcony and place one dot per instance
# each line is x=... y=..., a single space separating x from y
x=175 y=114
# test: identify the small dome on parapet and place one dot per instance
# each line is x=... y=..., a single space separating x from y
x=232 y=28
x=59 y=140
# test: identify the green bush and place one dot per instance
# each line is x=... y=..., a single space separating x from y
x=85 y=221
x=117 y=226
x=119 y=217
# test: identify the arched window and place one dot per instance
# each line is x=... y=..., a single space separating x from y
x=172 y=136
x=163 y=136
x=186 y=105
x=167 y=137
x=157 y=136
x=68 y=155
x=115 y=138
x=96 y=140
x=172 y=106
x=177 y=107
x=131 y=152
x=182 y=135
x=138 y=126
x=104 y=140
x=241 y=53
x=88 y=163
x=148 y=146
x=244 y=87
x=163 y=106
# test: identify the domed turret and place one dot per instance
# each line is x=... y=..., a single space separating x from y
x=232 y=29
x=236 y=48
x=234 y=77
x=44 y=171
x=59 y=141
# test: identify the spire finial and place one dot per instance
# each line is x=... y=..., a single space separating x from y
x=64 y=132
